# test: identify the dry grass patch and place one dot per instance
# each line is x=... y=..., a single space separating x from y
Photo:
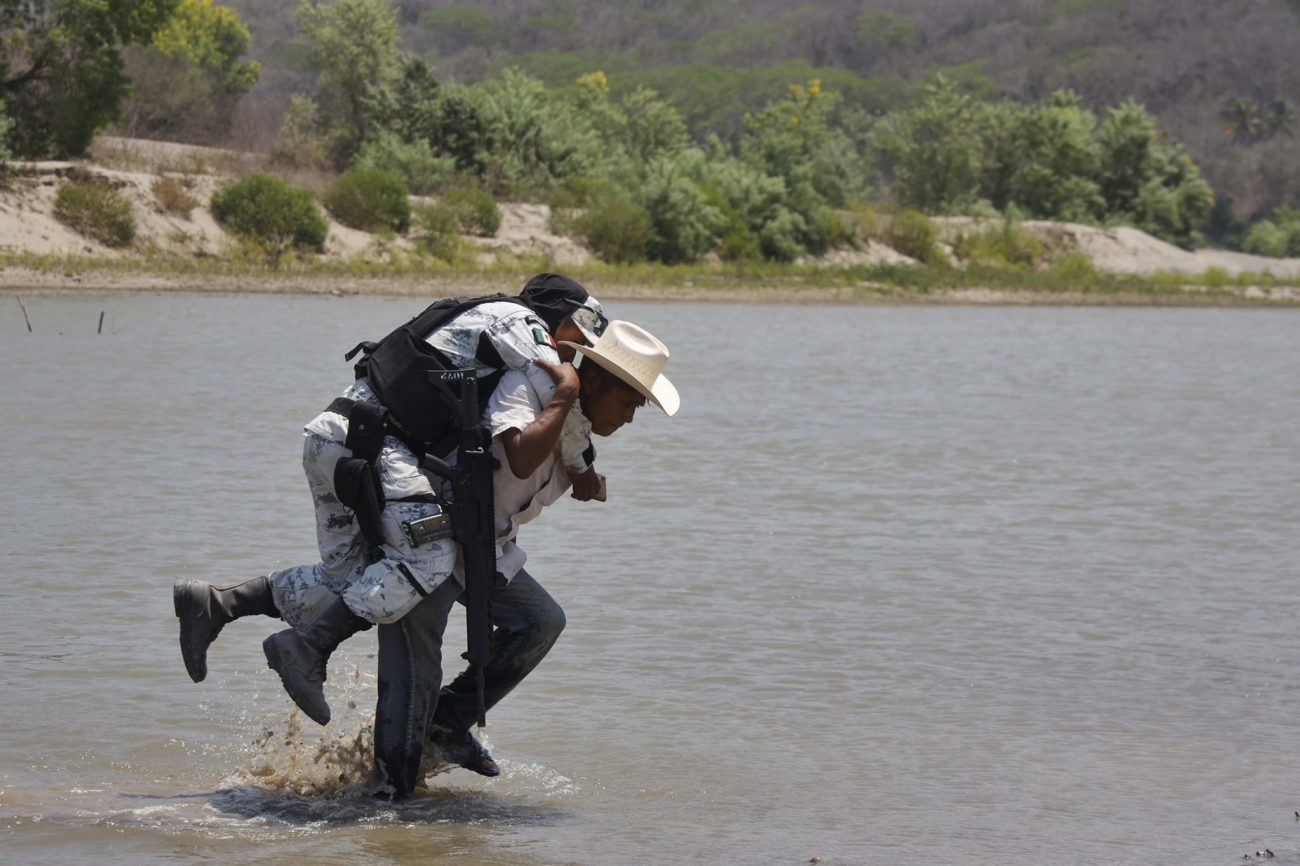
x=174 y=196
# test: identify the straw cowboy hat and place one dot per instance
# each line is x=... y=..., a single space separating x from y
x=636 y=356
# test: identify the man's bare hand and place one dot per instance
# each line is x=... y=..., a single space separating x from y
x=565 y=377
x=586 y=486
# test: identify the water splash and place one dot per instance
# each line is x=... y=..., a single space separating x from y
x=293 y=755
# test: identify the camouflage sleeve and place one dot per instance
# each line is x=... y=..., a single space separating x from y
x=519 y=340
x=524 y=340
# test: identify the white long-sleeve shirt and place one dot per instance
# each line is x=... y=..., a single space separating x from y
x=514 y=405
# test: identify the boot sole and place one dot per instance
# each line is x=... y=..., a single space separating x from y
x=272 y=662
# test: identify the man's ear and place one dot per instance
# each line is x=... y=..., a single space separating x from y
x=566 y=331
x=585 y=375
x=592 y=379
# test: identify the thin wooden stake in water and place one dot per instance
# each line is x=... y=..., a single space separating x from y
x=101 y=322
x=25 y=319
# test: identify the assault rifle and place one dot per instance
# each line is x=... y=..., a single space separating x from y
x=473 y=515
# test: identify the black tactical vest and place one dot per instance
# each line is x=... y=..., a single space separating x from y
x=398 y=368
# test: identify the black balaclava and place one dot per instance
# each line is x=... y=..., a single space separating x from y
x=553 y=297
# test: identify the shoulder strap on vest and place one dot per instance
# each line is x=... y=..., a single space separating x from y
x=425 y=322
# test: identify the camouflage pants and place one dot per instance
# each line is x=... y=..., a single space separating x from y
x=381 y=592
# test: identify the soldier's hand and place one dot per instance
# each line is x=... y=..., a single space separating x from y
x=565 y=376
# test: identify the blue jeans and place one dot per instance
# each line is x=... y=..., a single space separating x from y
x=526 y=623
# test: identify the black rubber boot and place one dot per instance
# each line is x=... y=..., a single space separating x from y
x=464 y=750
x=203 y=609
x=299 y=656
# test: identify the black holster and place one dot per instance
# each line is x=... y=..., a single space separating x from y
x=356 y=483
x=356 y=478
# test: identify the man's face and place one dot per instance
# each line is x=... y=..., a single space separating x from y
x=608 y=406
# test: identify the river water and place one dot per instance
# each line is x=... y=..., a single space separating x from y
x=897 y=585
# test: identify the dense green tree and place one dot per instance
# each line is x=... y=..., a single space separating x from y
x=757 y=222
x=423 y=171
x=418 y=110
x=532 y=137
x=798 y=140
x=1059 y=161
x=684 y=226
x=187 y=81
x=929 y=152
x=354 y=48
x=211 y=38
x=1148 y=180
x=640 y=127
x=61 y=67
x=1051 y=161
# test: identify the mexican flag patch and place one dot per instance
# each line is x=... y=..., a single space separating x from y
x=542 y=338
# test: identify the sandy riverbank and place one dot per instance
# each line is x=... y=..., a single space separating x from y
x=192 y=253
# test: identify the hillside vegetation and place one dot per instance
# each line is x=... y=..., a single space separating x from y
x=678 y=131
x=1210 y=73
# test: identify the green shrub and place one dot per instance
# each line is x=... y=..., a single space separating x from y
x=370 y=200
x=831 y=230
x=476 y=210
x=616 y=228
x=272 y=213
x=530 y=137
x=97 y=211
x=683 y=224
x=1216 y=278
x=738 y=242
x=913 y=234
x=1278 y=237
x=755 y=219
x=1073 y=268
x=779 y=238
x=436 y=228
x=1004 y=244
x=413 y=161
x=1265 y=239
x=861 y=222
x=566 y=203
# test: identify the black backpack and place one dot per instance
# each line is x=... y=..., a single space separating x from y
x=398 y=368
